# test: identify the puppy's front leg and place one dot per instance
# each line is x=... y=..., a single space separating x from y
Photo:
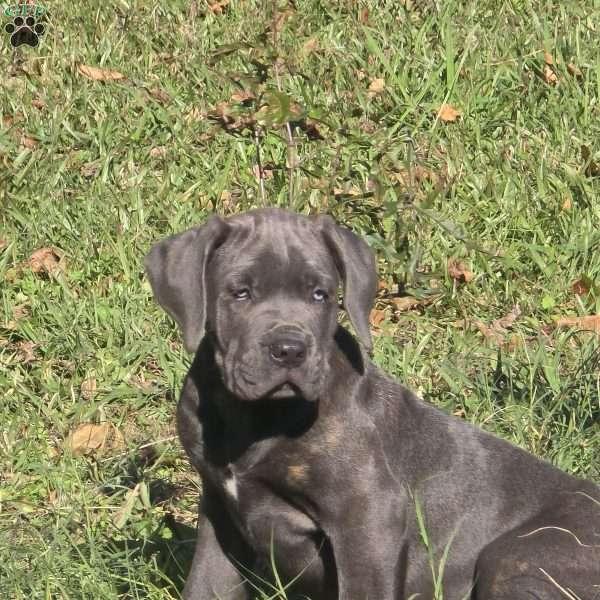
x=365 y=559
x=213 y=573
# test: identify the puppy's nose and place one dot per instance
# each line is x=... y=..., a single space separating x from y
x=288 y=352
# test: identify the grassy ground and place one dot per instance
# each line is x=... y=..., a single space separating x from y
x=97 y=170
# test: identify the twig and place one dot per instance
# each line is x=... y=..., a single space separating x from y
x=290 y=143
x=142 y=447
x=261 y=174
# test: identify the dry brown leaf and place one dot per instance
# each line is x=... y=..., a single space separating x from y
x=47 y=260
x=574 y=71
x=497 y=330
x=550 y=76
x=376 y=87
x=507 y=321
x=350 y=190
x=549 y=60
x=158 y=152
x=376 y=317
x=580 y=288
x=591 y=323
x=310 y=45
x=267 y=172
x=567 y=204
x=88 y=388
x=217 y=7
x=490 y=333
x=448 y=113
x=416 y=174
x=160 y=95
x=98 y=74
x=29 y=142
x=25 y=353
x=142 y=384
x=20 y=311
x=243 y=96
x=592 y=169
x=405 y=303
x=458 y=271
x=3 y=244
x=87 y=438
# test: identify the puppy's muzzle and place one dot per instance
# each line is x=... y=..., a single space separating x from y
x=286 y=347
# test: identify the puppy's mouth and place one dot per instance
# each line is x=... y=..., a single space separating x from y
x=285 y=388
x=284 y=391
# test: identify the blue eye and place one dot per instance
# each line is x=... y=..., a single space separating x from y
x=241 y=294
x=319 y=296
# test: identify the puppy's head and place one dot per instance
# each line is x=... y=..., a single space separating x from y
x=263 y=285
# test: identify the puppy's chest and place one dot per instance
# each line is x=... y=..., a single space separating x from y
x=264 y=506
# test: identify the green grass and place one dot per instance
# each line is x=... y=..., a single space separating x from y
x=504 y=189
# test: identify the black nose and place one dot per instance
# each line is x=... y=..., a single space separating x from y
x=287 y=352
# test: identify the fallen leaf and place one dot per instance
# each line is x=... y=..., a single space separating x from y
x=403 y=303
x=142 y=384
x=160 y=95
x=458 y=271
x=376 y=317
x=217 y=7
x=591 y=167
x=98 y=74
x=580 y=287
x=497 y=330
x=29 y=142
x=88 y=388
x=591 y=323
x=490 y=333
x=47 y=260
x=18 y=312
x=25 y=353
x=567 y=204
x=508 y=320
x=158 y=152
x=310 y=45
x=416 y=174
x=574 y=71
x=243 y=96
x=350 y=190
x=87 y=438
x=376 y=87
x=548 y=58
x=448 y=113
x=549 y=75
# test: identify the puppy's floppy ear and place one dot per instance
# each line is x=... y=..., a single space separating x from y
x=176 y=268
x=356 y=264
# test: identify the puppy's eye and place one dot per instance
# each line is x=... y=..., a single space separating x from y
x=241 y=294
x=319 y=295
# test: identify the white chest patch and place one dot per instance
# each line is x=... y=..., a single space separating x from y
x=231 y=486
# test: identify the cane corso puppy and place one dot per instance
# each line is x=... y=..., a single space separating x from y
x=316 y=462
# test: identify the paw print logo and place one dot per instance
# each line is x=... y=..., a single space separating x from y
x=25 y=31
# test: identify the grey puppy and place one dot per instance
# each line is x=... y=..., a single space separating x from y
x=312 y=457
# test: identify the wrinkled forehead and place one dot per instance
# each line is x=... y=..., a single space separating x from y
x=285 y=244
